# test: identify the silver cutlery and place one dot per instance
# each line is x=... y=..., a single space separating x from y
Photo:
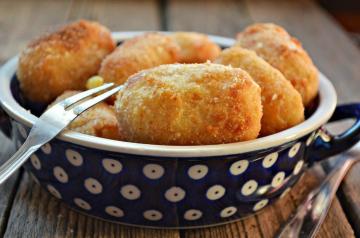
x=312 y=212
x=51 y=123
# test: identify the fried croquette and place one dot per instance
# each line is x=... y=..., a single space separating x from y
x=190 y=104
x=63 y=60
x=195 y=47
x=99 y=120
x=277 y=47
x=142 y=52
x=282 y=104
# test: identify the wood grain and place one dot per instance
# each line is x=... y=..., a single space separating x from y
x=17 y=26
x=33 y=213
x=7 y=189
x=208 y=16
x=125 y=15
x=23 y=20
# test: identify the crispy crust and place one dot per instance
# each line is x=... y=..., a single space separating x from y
x=142 y=52
x=100 y=120
x=277 y=47
x=63 y=60
x=195 y=47
x=282 y=104
x=190 y=104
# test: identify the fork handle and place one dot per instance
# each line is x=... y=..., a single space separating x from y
x=17 y=160
x=311 y=213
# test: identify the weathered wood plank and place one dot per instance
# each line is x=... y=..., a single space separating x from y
x=17 y=26
x=23 y=20
x=8 y=189
x=123 y=15
x=213 y=17
x=335 y=54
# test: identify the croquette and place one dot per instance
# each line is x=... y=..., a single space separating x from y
x=282 y=104
x=63 y=60
x=99 y=120
x=138 y=53
x=195 y=47
x=190 y=104
x=277 y=47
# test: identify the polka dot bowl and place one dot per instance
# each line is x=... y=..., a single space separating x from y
x=175 y=186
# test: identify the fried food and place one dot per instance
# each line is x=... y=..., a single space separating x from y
x=190 y=104
x=277 y=47
x=282 y=104
x=99 y=120
x=63 y=60
x=195 y=47
x=142 y=52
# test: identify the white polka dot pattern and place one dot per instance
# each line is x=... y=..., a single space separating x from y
x=35 y=161
x=192 y=215
x=112 y=166
x=82 y=204
x=152 y=215
x=130 y=192
x=215 y=192
x=228 y=212
x=93 y=186
x=74 y=157
x=278 y=179
x=53 y=191
x=298 y=167
x=198 y=171
x=294 y=150
x=270 y=160
x=114 y=211
x=261 y=204
x=46 y=149
x=310 y=139
x=153 y=171
x=249 y=187
x=175 y=194
x=60 y=174
x=239 y=167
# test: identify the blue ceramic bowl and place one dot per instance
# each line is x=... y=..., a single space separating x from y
x=176 y=186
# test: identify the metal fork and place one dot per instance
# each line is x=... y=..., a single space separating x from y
x=312 y=212
x=51 y=123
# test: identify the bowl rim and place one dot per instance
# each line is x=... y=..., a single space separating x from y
x=327 y=104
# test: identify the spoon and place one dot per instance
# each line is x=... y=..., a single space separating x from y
x=312 y=212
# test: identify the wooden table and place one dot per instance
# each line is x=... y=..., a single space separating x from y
x=26 y=210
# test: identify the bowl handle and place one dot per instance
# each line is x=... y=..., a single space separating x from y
x=325 y=145
x=5 y=125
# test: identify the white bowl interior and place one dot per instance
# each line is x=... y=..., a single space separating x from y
x=326 y=107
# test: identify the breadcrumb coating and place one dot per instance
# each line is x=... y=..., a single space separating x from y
x=141 y=52
x=195 y=47
x=282 y=104
x=99 y=120
x=63 y=60
x=277 y=47
x=190 y=104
